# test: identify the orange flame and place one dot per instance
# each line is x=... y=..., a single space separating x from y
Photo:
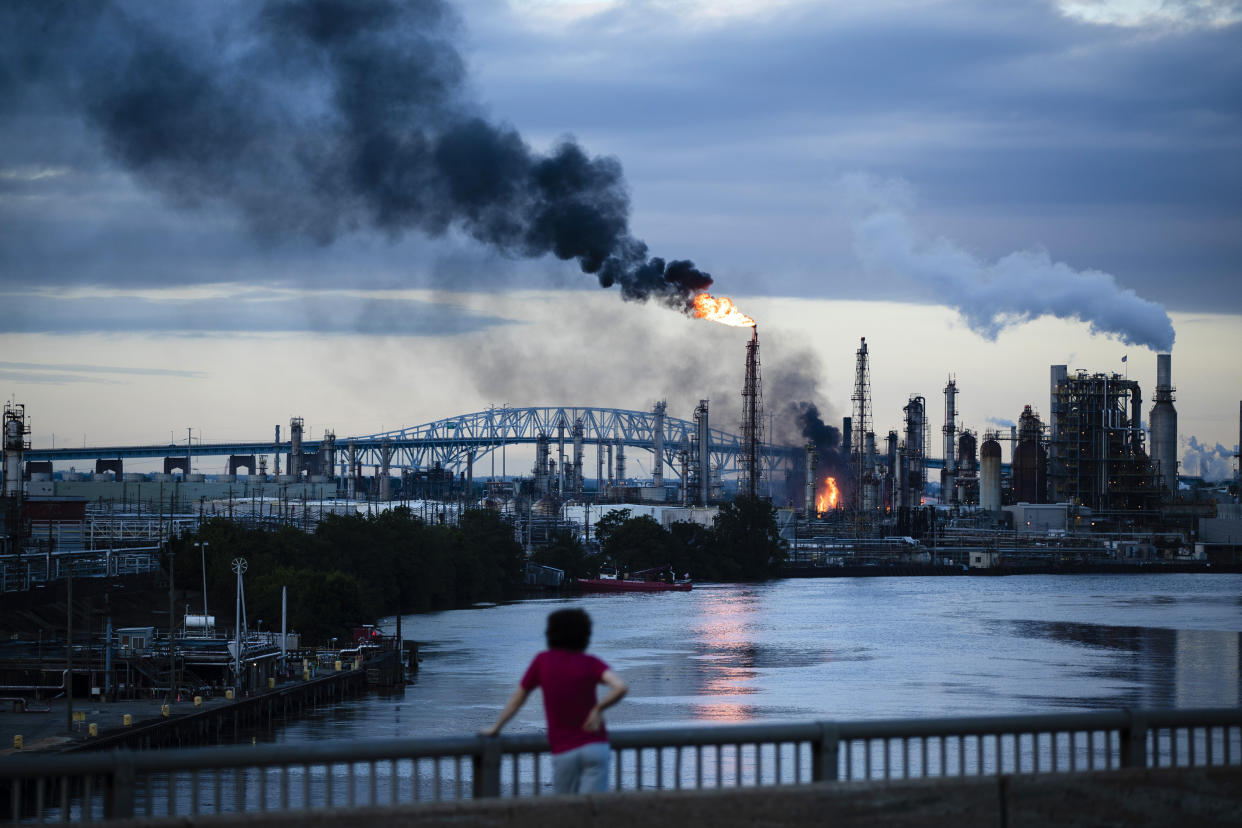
x=720 y=310
x=828 y=496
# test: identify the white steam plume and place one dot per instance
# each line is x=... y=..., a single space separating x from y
x=1017 y=288
x=1212 y=463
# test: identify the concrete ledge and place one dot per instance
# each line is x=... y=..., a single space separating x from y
x=1203 y=797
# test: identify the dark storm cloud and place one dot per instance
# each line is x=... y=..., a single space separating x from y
x=323 y=117
x=1112 y=147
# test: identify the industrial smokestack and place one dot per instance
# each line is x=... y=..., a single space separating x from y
x=1162 y=420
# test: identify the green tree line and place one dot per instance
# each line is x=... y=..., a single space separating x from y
x=742 y=544
x=352 y=569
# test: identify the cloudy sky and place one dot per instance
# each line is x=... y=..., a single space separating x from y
x=374 y=214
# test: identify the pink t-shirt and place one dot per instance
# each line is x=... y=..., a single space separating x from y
x=568 y=681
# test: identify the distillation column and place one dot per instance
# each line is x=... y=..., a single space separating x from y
x=577 y=469
x=703 y=462
x=948 y=480
x=542 y=450
x=809 y=495
x=295 y=447
x=990 y=474
x=657 y=441
x=560 y=458
x=15 y=444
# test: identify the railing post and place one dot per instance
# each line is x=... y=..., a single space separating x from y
x=486 y=762
x=119 y=795
x=1134 y=741
x=825 y=753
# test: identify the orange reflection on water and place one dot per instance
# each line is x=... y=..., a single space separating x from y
x=725 y=636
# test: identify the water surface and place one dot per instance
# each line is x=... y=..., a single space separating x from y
x=844 y=648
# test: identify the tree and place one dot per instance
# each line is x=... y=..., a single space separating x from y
x=636 y=543
x=567 y=553
x=748 y=540
x=693 y=548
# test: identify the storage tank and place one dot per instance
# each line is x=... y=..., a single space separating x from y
x=990 y=475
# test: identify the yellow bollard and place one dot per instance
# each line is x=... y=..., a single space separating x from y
x=338 y=665
x=198 y=701
x=17 y=741
x=165 y=710
x=271 y=684
x=94 y=729
x=228 y=694
x=127 y=720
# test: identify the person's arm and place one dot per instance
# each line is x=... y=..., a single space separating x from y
x=616 y=692
x=511 y=707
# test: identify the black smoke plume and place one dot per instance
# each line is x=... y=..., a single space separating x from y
x=324 y=117
x=830 y=461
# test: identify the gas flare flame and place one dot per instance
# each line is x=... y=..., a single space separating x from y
x=720 y=309
x=828 y=496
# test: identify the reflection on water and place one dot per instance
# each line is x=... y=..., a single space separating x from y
x=1164 y=667
x=859 y=648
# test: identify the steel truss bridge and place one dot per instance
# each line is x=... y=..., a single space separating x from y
x=451 y=443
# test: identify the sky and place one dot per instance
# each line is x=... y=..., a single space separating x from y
x=375 y=214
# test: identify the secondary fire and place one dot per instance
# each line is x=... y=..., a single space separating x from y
x=828 y=495
x=720 y=309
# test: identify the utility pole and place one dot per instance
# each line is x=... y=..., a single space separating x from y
x=69 y=647
x=172 y=613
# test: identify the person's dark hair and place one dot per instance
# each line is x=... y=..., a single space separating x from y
x=569 y=629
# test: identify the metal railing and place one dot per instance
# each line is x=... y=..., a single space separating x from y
x=325 y=775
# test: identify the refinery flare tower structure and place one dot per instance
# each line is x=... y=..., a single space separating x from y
x=752 y=418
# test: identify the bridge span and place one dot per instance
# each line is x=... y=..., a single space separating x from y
x=453 y=443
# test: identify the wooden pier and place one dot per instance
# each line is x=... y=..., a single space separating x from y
x=223 y=724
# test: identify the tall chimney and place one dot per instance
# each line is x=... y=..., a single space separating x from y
x=1162 y=420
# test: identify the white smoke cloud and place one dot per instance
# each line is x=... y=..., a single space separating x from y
x=1212 y=463
x=992 y=296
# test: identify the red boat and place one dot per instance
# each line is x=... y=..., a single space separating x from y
x=660 y=579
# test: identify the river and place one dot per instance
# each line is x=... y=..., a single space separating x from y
x=844 y=648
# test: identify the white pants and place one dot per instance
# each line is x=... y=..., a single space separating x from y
x=582 y=770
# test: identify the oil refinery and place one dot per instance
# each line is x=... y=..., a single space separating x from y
x=1088 y=478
